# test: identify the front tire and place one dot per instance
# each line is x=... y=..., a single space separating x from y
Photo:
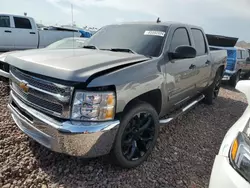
x=212 y=91
x=136 y=136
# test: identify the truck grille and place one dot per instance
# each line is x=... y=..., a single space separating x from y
x=41 y=94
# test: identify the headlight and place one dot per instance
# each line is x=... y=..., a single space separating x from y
x=93 y=106
x=240 y=155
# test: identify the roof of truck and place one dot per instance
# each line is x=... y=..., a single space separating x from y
x=169 y=23
x=7 y=14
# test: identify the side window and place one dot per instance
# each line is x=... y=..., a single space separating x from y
x=246 y=54
x=4 y=21
x=239 y=54
x=22 y=23
x=243 y=54
x=180 y=37
x=199 y=42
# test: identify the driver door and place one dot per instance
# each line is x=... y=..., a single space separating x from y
x=181 y=73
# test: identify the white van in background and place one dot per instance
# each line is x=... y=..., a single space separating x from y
x=21 y=32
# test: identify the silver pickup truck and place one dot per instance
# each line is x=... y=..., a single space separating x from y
x=113 y=95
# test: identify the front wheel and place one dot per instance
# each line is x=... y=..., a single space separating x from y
x=136 y=136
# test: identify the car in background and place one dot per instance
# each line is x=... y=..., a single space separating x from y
x=21 y=32
x=66 y=43
x=231 y=167
x=238 y=61
x=238 y=65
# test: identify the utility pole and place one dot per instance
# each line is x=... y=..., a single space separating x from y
x=72 y=15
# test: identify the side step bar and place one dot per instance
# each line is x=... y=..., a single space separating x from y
x=182 y=110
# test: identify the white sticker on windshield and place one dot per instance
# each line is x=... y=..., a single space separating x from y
x=155 y=33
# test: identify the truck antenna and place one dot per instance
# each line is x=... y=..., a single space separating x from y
x=72 y=16
x=158 y=20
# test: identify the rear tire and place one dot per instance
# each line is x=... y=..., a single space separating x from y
x=213 y=90
x=137 y=135
x=234 y=79
x=246 y=76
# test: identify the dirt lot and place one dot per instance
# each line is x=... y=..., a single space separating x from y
x=183 y=156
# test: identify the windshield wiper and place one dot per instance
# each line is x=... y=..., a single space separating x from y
x=91 y=47
x=120 y=50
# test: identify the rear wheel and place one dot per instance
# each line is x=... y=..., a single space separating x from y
x=212 y=91
x=246 y=76
x=136 y=136
x=234 y=79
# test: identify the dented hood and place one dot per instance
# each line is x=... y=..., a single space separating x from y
x=71 y=64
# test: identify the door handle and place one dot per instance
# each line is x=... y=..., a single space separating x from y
x=7 y=31
x=33 y=33
x=192 y=66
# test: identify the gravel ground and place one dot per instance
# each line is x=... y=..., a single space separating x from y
x=183 y=156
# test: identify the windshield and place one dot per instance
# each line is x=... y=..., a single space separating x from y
x=68 y=43
x=144 y=39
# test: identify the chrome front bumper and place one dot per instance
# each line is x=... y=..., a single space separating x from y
x=85 y=139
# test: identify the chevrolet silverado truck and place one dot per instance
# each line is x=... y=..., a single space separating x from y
x=111 y=96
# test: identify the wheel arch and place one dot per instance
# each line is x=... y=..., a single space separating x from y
x=153 y=97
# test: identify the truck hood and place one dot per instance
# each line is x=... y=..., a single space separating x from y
x=4 y=55
x=71 y=64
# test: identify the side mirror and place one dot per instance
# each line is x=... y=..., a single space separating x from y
x=248 y=59
x=182 y=52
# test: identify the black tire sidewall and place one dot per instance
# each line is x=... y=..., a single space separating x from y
x=209 y=92
x=117 y=149
x=234 y=80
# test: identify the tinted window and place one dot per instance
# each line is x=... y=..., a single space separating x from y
x=4 y=21
x=199 y=42
x=239 y=54
x=141 y=38
x=180 y=38
x=22 y=23
x=246 y=55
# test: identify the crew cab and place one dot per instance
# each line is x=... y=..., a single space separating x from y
x=21 y=32
x=113 y=95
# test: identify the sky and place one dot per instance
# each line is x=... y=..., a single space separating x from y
x=223 y=17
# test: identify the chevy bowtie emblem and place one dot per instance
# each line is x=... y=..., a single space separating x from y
x=24 y=86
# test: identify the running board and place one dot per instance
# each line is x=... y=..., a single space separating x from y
x=182 y=110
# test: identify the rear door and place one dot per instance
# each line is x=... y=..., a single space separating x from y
x=202 y=60
x=6 y=33
x=180 y=72
x=243 y=63
x=26 y=35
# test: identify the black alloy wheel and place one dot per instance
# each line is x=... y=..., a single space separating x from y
x=138 y=136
